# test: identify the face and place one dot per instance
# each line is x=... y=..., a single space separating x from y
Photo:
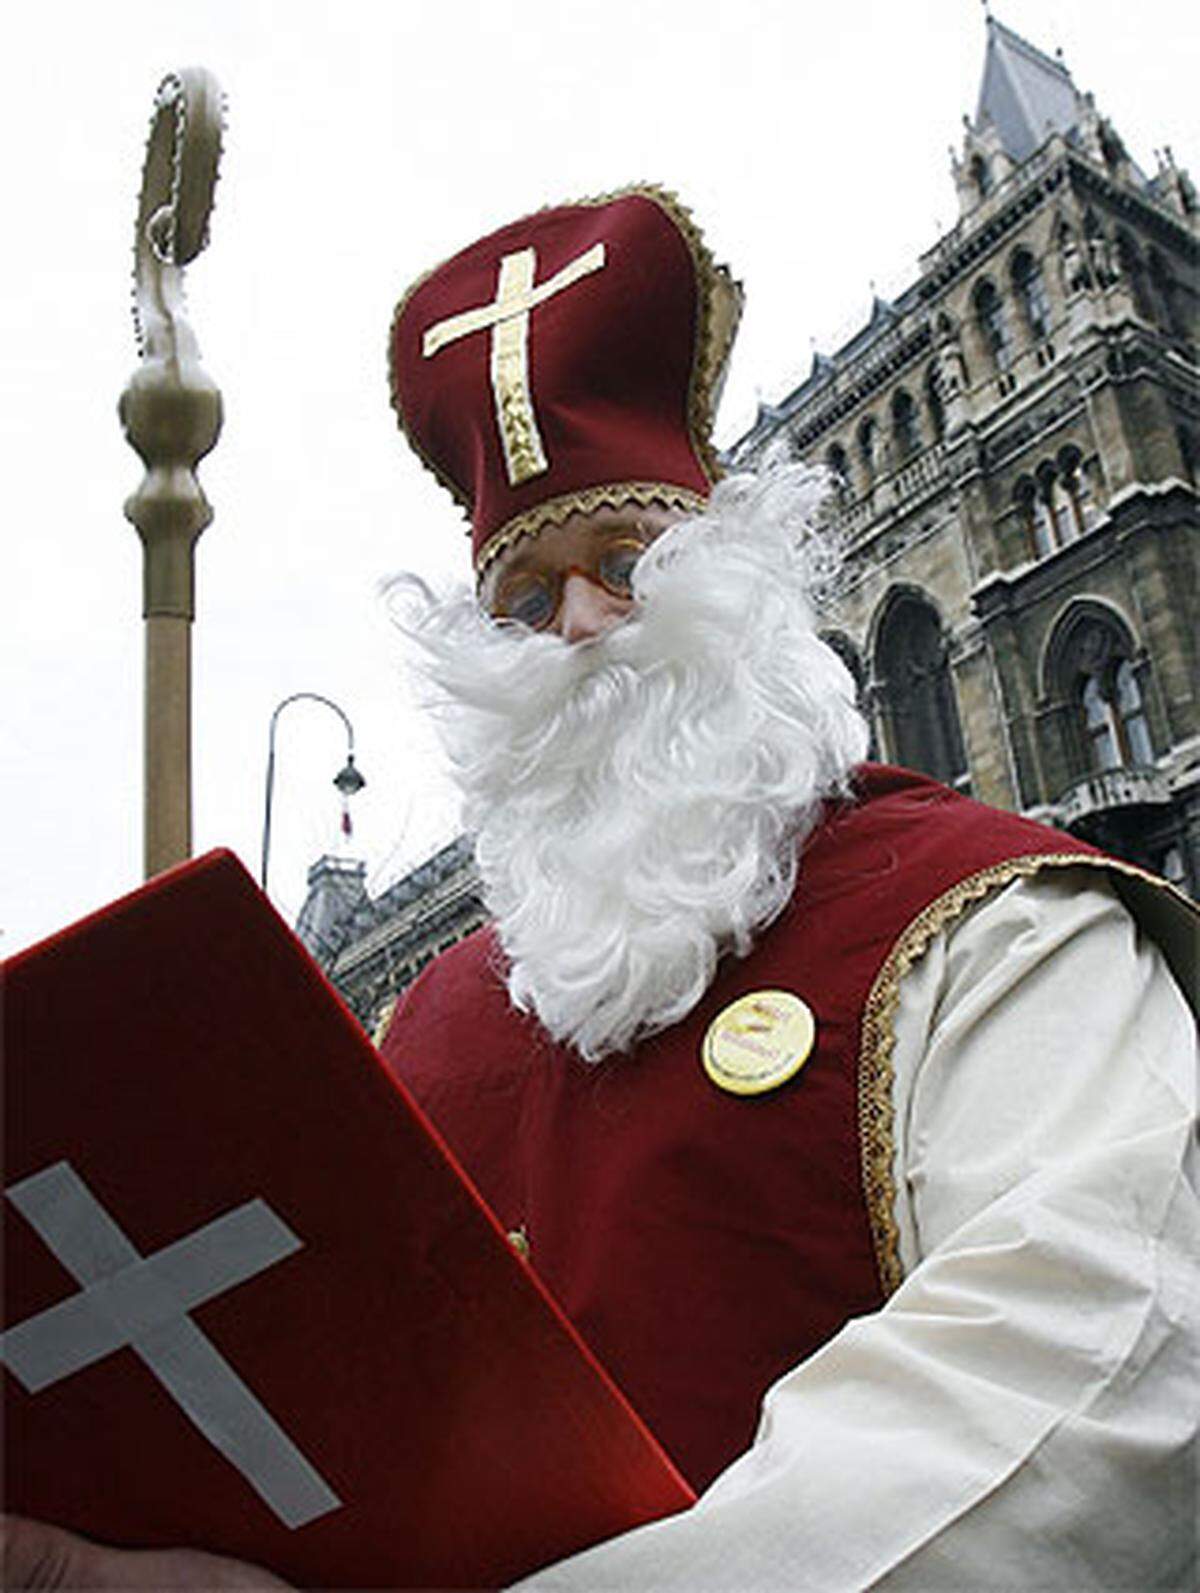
x=575 y=579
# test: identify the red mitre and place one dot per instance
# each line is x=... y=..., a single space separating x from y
x=571 y=360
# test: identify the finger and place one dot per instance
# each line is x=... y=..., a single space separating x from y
x=34 y=1554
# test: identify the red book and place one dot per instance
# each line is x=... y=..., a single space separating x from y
x=251 y=1303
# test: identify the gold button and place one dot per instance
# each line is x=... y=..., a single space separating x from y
x=758 y=1042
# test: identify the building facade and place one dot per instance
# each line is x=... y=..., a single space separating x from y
x=372 y=947
x=1014 y=446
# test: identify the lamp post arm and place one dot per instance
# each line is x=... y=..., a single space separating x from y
x=312 y=696
x=296 y=696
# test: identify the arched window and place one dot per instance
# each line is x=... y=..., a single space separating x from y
x=990 y=314
x=1074 y=482
x=1133 y=731
x=981 y=176
x=934 y=405
x=838 y=467
x=1114 y=717
x=918 y=691
x=904 y=425
x=1100 y=723
x=1025 y=496
x=1031 y=293
x=1056 y=522
x=866 y=449
x=1098 y=677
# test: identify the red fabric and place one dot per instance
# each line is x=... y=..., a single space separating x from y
x=610 y=361
x=703 y=1243
x=183 y=1053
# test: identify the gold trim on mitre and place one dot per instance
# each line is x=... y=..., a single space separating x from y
x=719 y=300
x=876 y=1074
x=586 y=500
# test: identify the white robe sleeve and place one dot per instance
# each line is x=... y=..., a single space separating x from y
x=1023 y=1411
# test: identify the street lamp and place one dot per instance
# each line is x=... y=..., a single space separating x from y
x=348 y=780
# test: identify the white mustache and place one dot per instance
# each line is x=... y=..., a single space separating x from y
x=637 y=800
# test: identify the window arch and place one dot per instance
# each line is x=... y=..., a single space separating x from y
x=981 y=176
x=867 y=448
x=1114 y=717
x=1030 y=289
x=1025 y=496
x=1074 y=481
x=1055 y=504
x=839 y=469
x=933 y=404
x=1053 y=509
x=989 y=312
x=917 y=690
x=1104 y=686
x=905 y=427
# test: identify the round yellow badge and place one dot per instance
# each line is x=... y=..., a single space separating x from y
x=758 y=1042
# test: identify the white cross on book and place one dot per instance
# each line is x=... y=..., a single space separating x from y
x=142 y=1303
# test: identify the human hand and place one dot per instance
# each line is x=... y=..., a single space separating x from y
x=35 y=1555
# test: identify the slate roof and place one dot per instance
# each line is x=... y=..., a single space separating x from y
x=1025 y=95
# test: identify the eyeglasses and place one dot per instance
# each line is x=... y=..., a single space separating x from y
x=532 y=596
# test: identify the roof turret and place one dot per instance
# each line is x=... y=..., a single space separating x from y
x=1025 y=95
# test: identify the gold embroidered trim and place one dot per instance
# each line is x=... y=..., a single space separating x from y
x=876 y=1074
x=719 y=308
x=517 y=296
x=585 y=500
x=507 y=318
x=520 y=439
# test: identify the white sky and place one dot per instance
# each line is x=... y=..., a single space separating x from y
x=365 y=142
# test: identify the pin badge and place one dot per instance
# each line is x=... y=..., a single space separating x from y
x=758 y=1042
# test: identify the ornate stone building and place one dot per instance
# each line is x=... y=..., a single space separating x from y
x=371 y=948
x=1014 y=442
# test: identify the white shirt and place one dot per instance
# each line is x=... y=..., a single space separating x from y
x=1022 y=1413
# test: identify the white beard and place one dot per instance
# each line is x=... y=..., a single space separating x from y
x=638 y=802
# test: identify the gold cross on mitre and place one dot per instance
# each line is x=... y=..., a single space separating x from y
x=508 y=317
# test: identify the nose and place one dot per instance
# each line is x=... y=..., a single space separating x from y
x=587 y=609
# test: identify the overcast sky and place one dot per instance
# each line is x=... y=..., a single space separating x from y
x=365 y=142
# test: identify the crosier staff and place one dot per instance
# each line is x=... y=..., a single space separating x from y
x=171 y=415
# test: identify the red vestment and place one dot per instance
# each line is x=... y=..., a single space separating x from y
x=702 y=1242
